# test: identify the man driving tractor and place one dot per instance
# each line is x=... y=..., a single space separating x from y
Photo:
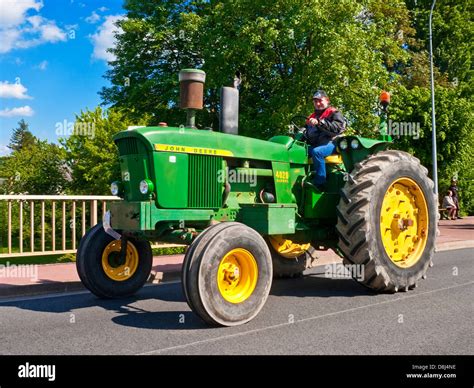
x=324 y=124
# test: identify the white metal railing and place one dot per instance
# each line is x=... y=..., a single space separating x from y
x=21 y=207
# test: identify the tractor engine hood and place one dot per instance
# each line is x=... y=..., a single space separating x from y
x=206 y=142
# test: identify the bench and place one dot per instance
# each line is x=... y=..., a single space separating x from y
x=443 y=213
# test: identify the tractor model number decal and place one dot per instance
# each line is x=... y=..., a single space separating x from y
x=282 y=176
x=192 y=150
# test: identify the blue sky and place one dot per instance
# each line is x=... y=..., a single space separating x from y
x=52 y=61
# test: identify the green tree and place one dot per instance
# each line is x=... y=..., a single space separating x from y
x=453 y=34
x=283 y=49
x=21 y=137
x=93 y=158
x=36 y=169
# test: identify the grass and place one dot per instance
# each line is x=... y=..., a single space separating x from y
x=168 y=251
x=46 y=259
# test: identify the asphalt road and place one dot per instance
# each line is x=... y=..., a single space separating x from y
x=311 y=315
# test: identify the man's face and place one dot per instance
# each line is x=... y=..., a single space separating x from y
x=320 y=103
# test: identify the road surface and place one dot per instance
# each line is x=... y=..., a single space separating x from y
x=310 y=315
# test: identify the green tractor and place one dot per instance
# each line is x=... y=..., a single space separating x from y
x=248 y=214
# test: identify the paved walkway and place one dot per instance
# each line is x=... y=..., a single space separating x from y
x=33 y=279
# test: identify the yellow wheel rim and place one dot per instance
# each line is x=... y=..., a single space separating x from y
x=119 y=269
x=404 y=222
x=288 y=248
x=237 y=275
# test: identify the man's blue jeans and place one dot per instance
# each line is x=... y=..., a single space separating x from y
x=319 y=166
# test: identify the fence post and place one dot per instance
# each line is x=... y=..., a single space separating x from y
x=93 y=212
x=42 y=227
x=32 y=226
x=21 y=226
x=73 y=225
x=9 y=238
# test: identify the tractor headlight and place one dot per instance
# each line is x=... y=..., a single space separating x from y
x=146 y=186
x=343 y=144
x=354 y=144
x=115 y=188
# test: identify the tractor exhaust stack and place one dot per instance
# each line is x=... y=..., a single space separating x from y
x=229 y=114
x=191 y=87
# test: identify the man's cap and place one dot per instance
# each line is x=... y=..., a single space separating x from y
x=319 y=94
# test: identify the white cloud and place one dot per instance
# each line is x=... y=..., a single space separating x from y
x=36 y=20
x=15 y=90
x=104 y=38
x=4 y=150
x=13 y=12
x=42 y=65
x=17 y=30
x=92 y=18
x=8 y=39
x=102 y=9
x=50 y=32
x=20 y=111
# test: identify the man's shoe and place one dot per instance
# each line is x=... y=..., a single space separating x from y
x=459 y=218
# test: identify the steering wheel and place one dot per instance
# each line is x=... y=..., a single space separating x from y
x=294 y=124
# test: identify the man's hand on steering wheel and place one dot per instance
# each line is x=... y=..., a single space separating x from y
x=298 y=128
x=313 y=121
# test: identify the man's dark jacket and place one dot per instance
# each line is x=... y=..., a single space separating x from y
x=331 y=124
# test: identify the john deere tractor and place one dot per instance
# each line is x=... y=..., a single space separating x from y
x=248 y=212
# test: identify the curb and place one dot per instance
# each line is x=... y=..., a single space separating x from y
x=164 y=277
x=453 y=245
x=39 y=289
x=10 y=292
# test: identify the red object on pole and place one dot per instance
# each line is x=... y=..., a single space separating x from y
x=385 y=97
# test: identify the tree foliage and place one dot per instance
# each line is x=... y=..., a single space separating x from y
x=21 y=137
x=284 y=50
x=93 y=158
x=38 y=168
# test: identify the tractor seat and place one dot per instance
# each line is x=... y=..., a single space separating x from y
x=331 y=159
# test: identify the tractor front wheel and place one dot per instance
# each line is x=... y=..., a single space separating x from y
x=227 y=274
x=387 y=221
x=103 y=270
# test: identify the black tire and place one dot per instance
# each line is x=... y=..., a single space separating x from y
x=359 y=214
x=190 y=252
x=93 y=276
x=200 y=268
x=284 y=268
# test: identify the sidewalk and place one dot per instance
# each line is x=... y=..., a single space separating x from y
x=50 y=278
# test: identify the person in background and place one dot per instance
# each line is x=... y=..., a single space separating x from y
x=454 y=189
x=324 y=124
x=448 y=203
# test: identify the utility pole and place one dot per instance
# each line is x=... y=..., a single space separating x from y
x=433 y=118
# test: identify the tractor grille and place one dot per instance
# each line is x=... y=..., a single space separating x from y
x=128 y=146
x=204 y=187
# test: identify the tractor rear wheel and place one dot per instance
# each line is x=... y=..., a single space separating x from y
x=227 y=274
x=387 y=221
x=103 y=271
x=289 y=259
